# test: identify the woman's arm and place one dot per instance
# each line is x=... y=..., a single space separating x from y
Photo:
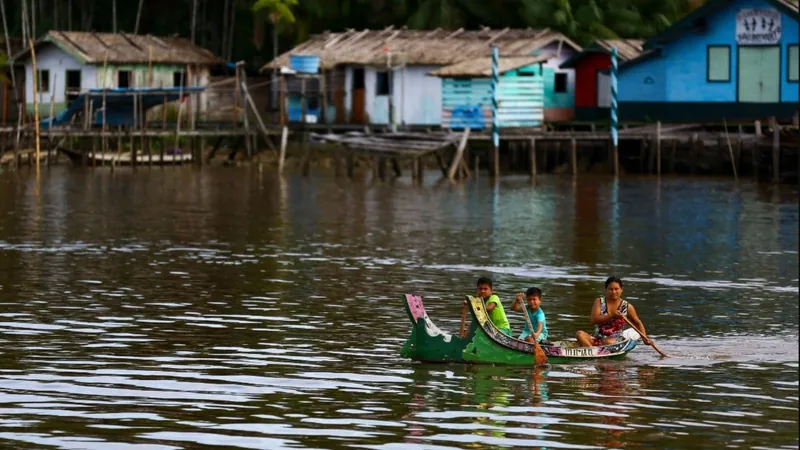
x=597 y=318
x=636 y=321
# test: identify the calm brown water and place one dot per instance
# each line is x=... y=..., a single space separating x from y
x=230 y=308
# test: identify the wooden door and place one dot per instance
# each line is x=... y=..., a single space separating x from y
x=603 y=90
x=357 y=97
x=759 y=74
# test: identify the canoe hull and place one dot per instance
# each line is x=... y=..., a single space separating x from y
x=485 y=344
x=427 y=342
x=490 y=346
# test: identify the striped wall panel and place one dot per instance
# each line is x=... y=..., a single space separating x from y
x=468 y=102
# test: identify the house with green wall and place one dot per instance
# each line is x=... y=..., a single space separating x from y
x=467 y=93
x=69 y=63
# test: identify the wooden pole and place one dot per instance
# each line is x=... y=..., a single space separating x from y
x=246 y=117
x=284 y=142
x=533 y=157
x=85 y=112
x=6 y=90
x=451 y=172
x=282 y=106
x=35 y=101
x=755 y=154
x=574 y=156
x=236 y=97
x=105 y=88
x=178 y=126
x=730 y=149
x=658 y=148
x=776 y=149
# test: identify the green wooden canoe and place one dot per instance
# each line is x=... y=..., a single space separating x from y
x=485 y=344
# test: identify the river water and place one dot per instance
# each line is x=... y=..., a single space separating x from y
x=230 y=308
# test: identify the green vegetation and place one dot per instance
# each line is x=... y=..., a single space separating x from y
x=249 y=29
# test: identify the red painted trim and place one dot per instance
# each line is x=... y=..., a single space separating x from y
x=586 y=78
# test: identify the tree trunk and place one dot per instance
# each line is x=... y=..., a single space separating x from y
x=138 y=17
x=232 y=29
x=226 y=7
x=202 y=23
x=32 y=23
x=194 y=19
x=274 y=82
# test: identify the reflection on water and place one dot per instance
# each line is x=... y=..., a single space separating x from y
x=184 y=308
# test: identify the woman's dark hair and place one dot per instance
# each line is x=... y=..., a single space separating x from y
x=613 y=280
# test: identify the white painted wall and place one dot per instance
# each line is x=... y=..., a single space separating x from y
x=603 y=90
x=417 y=97
x=57 y=62
x=559 y=57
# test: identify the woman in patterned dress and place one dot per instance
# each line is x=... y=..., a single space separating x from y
x=607 y=317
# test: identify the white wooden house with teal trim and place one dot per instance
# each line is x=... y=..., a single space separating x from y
x=467 y=93
x=732 y=59
x=71 y=62
x=374 y=69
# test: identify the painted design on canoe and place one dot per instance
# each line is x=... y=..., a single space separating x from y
x=485 y=344
x=427 y=341
x=564 y=349
x=415 y=307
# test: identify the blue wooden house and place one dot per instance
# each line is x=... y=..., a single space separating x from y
x=733 y=59
x=467 y=93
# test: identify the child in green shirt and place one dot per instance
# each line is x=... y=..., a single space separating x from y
x=493 y=306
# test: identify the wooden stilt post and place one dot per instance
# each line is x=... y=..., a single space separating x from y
x=284 y=142
x=35 y=101
x=756 y=150
x=495 y=119
x=739 y=145
x=614 y=133
x=658 y=148
x=776 y=149
x=451 y=172
x=574 y=156
x=730 y=149
x=533 y=157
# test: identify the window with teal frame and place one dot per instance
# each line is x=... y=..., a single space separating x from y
x=718 y=63
x=793 y=66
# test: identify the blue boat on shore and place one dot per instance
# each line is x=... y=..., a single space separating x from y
x=119 y=102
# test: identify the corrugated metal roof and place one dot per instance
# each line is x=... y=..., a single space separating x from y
x=482 y=67
x=419 y=47
x=124 y=48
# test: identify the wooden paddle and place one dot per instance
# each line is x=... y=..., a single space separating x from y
x=538 y=354
x=653 y=344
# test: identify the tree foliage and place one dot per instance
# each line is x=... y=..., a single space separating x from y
x=235 y=28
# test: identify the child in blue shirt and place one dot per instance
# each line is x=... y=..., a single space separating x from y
x=533 y=298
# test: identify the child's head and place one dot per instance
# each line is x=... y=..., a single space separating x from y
x=484 y=287
x=534 y=297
